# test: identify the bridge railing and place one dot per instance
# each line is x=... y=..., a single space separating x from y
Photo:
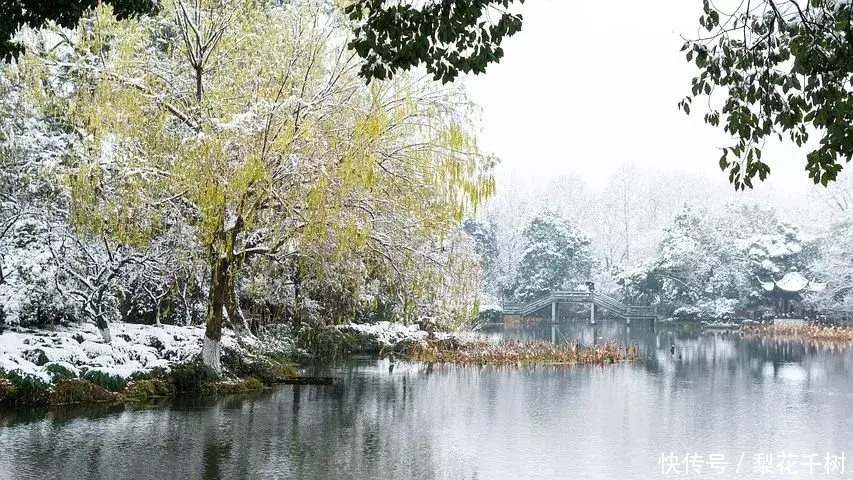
x=512 y=308
x=572 y=296
x=601 y=300
x=611 y=304
x=537 y=304
x=641 y=311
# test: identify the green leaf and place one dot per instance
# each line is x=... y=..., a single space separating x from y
x=724 y=164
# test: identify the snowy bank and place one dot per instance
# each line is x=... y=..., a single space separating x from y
x=134 y=348
x=388 y=336
x=491 y=308
x=386 y=333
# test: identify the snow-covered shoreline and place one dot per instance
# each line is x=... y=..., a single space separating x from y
x=142 y=348
x=134 y=348
x=387 y=335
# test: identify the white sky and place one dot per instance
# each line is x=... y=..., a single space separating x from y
x=586 y=86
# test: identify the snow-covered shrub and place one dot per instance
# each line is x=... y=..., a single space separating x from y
x=324 y=340
x=490 y=314
x=29 y=292
x=41 y=308
x=58 y=371
x=36 y=356
x=26 y=390
x=708 y=310
x=688 y=312
x=35 y=149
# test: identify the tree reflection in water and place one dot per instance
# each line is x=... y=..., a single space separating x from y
x=718 y=394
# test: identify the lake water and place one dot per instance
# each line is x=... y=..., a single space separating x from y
x=735 y=408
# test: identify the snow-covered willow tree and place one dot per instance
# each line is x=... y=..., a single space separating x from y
x=245 y=122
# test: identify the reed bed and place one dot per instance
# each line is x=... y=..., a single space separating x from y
x=520 y=353
x=838 y=334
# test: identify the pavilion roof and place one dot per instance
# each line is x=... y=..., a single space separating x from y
x=793 y=282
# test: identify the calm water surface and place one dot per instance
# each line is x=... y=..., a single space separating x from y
x=718 y=395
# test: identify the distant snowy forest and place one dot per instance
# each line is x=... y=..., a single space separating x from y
x=694 y=248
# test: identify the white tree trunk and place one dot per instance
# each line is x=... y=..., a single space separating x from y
x=105 y=334
x=210 y=354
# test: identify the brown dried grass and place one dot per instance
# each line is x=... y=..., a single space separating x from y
x=518 y=353
x=836 y=334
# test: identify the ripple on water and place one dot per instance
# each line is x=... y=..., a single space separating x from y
x=717 y=395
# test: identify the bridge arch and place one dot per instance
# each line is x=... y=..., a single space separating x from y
x=595 y=299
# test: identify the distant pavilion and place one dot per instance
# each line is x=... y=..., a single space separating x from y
x=787 y=291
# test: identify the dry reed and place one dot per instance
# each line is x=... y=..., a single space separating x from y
x=518 y=353
x=814 y=332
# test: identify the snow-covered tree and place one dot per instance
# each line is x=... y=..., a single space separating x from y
x=35 y=148
x=485 y=238
x=833 y=264
x=286 y=154
x=89 y=276
x=710 y=265
x=28 y=292
x=557 y=255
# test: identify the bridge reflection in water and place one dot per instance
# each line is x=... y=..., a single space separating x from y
x=593 y=299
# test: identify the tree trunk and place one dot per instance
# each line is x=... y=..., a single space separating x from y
x=297 y=300
x=211 y=350
x=104 y=328
x=232 y=306
x=199 y=86
x=157 y=315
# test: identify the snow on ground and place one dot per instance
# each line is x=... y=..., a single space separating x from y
x=133 y=348
x=491 y=308
x=389 y=334
x=136 y=348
